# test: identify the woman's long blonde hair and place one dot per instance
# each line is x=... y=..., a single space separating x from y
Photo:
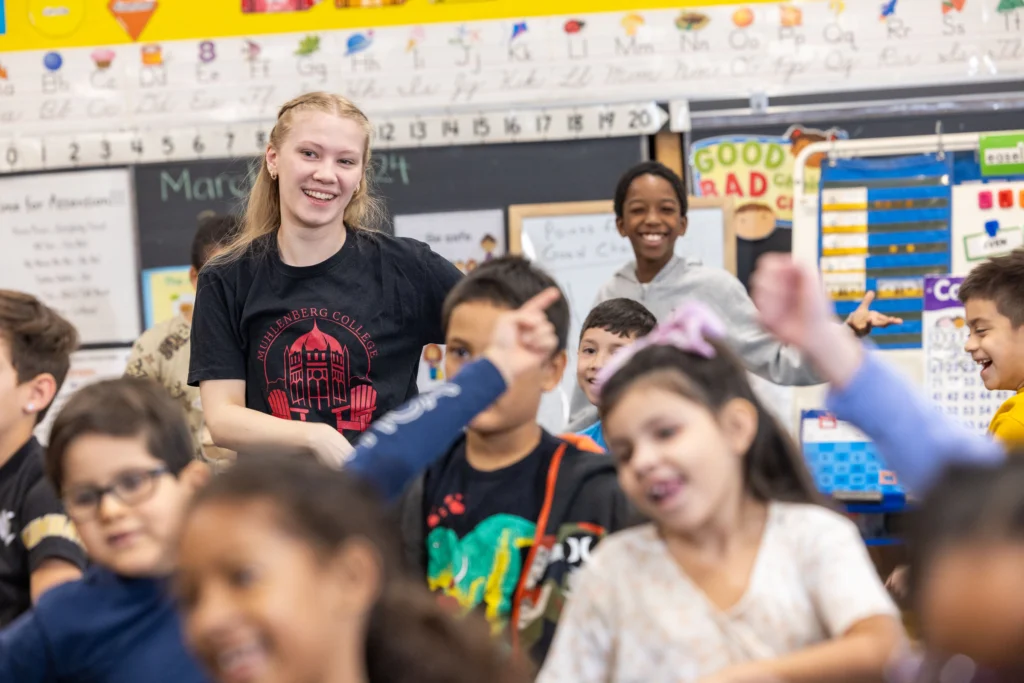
x=263 y=208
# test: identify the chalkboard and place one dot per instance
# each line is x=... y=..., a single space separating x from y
x=169 y=198
x=434 y=179
x=579 y=245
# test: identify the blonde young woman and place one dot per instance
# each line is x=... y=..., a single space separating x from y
x=311 y=323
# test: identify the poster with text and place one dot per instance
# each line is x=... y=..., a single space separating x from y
x=757 y=172
x=467 y=239
x=952 y=378
x=69 y=239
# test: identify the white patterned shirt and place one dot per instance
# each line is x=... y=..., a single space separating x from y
x=634 y=615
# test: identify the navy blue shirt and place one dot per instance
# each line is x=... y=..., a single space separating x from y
x=103 y=628
x=107 y=628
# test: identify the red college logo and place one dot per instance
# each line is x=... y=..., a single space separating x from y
x=317 y=361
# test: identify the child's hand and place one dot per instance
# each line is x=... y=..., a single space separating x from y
x=863 y=319
x=790 y=299
x=897 y=583
x=795 y=308
x=524 y=339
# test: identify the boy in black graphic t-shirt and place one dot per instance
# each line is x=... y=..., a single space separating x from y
x=39 y=547
x=309 y=316
x=499 y=523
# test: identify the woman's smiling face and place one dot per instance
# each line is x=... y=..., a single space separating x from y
x=319 y=166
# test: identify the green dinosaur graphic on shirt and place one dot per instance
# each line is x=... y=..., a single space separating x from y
x=481 y=568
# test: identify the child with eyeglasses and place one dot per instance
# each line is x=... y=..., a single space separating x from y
x=121 y=458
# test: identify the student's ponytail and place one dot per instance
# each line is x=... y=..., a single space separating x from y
x=412 y=639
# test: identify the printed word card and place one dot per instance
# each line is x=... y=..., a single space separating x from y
x=952 y=378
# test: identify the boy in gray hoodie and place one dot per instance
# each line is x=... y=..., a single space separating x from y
x=650 y=211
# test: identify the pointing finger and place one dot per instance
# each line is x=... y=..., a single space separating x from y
x=865 y=303
x=542 y=301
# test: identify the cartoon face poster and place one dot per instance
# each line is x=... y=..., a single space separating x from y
x=757 y=170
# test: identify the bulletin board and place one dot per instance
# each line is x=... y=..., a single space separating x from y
x=980 y=214
x=578 y=244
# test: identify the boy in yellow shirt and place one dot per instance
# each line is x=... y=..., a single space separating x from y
x=993 y=296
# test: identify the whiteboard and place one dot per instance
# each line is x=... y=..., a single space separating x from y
x=578 y=244
x=69 y=239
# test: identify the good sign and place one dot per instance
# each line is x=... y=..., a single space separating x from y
x=757 y=171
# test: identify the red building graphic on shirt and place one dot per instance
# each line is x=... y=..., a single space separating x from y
x=318 y=373
x=317 y=369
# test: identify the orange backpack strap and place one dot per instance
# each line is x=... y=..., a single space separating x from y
x=581 y=443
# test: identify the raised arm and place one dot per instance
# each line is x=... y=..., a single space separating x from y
x=405 y=441
x=913 y=438
x=763 y=354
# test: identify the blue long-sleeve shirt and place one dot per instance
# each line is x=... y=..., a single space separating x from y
x=404 y=442
x=914 y=439
x=107 y=628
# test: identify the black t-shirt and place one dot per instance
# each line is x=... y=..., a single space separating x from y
x=338 y=342
x=33 y=528
x=480 y=527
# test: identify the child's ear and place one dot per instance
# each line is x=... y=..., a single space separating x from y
x=685 y=223
x=738 y=419
x=357 y=578
x=196 y=475
x=620 y=226
x=554 y=370
x=40 y=391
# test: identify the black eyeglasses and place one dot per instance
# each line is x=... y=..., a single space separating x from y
x=131 y=488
